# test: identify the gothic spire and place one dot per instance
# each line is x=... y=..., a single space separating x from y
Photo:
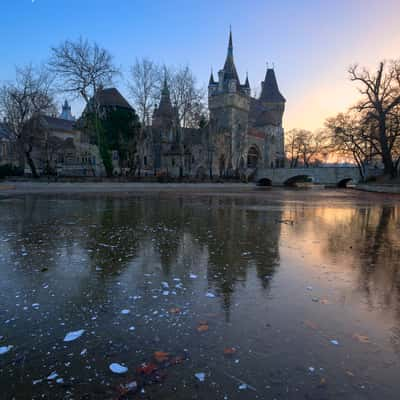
x=230 y=45
x=212 y=81
x=247 y=83
x=229 y=67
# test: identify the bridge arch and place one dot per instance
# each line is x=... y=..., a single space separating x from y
x=264 y=182
x=298 y=179
x=344 y=182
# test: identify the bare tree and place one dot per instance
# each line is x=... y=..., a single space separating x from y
x=350 y=139
x=147 y=79
x=186 y=96
x=82 y=67
x=23 y=102
x=305 y=147
x=144 y=86
x=380 y=104
x=292 y=146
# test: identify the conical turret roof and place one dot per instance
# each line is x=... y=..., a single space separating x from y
x=270 y=90
x=212 y=81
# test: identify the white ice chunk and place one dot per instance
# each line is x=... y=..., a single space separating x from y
x=5 y=349
x=70 y=336
x=52 y=376
x=118 y=368
x=201 y=376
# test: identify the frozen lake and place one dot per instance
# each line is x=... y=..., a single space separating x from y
x=280 y=294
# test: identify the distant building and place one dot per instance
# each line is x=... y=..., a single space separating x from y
x=8 y=148
x=243 y=132
x=62 y=149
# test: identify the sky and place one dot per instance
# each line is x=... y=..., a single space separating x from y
x=311 y=43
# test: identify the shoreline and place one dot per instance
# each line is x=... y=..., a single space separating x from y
x=388 y=189
x=10 y=189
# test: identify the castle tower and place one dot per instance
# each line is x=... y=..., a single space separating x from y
x=269 y=120
x=229 y=104
x=271 y=97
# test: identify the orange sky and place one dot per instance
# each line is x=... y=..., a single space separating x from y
x=330 y=90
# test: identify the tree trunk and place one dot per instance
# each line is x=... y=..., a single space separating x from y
x=386 y=154
x=31 y=163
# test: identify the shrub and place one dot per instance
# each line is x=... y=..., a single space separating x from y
x=10 y=170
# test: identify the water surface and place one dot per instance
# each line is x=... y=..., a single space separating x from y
x=280 y=294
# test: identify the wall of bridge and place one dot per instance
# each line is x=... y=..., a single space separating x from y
x=323 y=176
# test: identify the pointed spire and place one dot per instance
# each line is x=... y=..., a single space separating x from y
x=212 y=81
x=229 y=67
x=270 y=91
x=247 y=83
x=164 y=114
x=230 y=44
x=165 y=89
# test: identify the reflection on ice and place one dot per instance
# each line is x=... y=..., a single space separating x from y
x=200 y=297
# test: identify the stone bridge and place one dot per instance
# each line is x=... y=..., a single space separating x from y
x=332 y=176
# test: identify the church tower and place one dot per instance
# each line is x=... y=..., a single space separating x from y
x=229 y=104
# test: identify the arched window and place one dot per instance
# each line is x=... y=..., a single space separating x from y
x=253 y=157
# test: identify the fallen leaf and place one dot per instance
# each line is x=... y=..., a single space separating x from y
x=146 y=369
x=310 y=324
x=349 y=373
x=203 y=326
x=228 y=351
x=361 y=338
x=129 y=387
x=161 y=356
